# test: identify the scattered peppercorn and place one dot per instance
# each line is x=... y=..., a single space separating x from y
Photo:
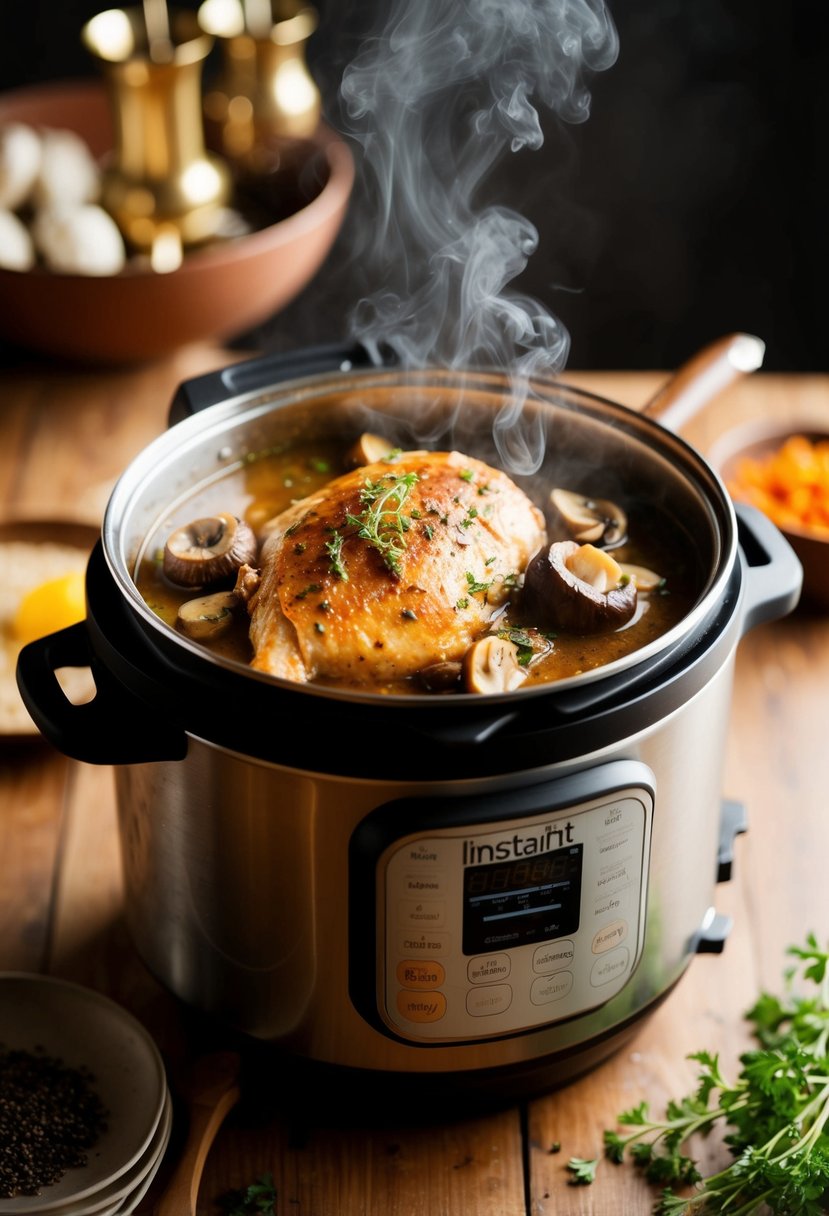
x=49 y=1117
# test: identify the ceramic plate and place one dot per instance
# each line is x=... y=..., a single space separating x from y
x=85 y=1029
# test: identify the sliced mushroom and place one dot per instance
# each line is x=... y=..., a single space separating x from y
x=591 y=519
x=440 y=677
x=645 y=579
x=207 y=550
x=577 y=588
x=208 y=616
x=492 y=665
x=368 y=449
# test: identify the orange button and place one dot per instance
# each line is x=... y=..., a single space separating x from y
x=421 y=1006
x=421 y=975
x=610 y=936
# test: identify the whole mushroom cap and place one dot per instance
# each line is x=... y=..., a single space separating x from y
x=16 y=249
x=577 y=588
x=20 y=157
x=79 y=240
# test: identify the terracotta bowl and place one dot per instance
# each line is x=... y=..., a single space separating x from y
x=760 y=439
x=218 y=291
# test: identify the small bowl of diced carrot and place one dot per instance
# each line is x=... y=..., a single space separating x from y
x=784 y=471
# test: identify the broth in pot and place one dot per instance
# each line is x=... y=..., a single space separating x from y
x=411 y=572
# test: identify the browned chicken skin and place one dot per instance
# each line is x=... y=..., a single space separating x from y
x=390 y=568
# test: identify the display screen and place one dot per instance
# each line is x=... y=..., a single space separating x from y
x=514 y=903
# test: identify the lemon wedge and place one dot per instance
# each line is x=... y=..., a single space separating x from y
x=50 y=606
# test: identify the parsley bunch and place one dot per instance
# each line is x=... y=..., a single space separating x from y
x=776 y=1113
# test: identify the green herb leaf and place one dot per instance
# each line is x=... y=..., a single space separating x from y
x=334 y=549
x=382 y=522
x=258 y=1199
x=775 y=1114
x=583 y=1171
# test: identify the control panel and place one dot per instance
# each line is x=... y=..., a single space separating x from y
x=497 y=923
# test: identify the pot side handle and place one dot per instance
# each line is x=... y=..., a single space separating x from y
x=252 y=375
x=113 y=728
x=774 y=575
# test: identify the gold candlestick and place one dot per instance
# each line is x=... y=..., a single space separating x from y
x=265 y=92
x=163 y=189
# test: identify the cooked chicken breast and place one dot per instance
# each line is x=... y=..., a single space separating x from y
x=390 y=568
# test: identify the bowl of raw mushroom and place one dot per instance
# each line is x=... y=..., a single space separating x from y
x=69 y=286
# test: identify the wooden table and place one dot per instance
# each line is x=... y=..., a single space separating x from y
x=64 y=437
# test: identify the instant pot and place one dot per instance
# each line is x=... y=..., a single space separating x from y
x=464 y=890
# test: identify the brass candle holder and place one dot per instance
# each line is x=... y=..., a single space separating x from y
x=265 y=93
x=164 y=190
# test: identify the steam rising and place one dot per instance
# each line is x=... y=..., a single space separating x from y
x=435 y=99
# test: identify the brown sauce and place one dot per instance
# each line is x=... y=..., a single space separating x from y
x=266 y=485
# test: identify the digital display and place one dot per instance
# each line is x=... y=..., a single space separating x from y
x=514 y=903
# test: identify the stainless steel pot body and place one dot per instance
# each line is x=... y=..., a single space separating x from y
x=238 y=890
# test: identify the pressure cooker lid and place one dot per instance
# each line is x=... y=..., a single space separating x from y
x=584 y=437
x=156 y=697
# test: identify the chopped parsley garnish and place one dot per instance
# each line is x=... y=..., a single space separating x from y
x=428 y=531
x=311 y=589
x=319 y=465
x=463 y=602
x=466 y=475
x=474 y=585
x=300 y=547
x=522 y=642
x=409 y=614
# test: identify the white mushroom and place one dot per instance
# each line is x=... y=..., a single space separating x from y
x=208 y=616
x=578 y=588
x=492 y=665
x=16 y=249
x=368 y=449
x=20 y=155
x=79 y=240
x=645 y=579
x=590 y=519
x=68 y=172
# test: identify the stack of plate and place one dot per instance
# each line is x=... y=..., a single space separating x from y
x=85 y=1030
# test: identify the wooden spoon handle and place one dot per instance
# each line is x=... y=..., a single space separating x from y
x=705 y=375
x=207 y=1113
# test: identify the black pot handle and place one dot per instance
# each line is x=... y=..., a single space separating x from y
x=115 y=727
x=252 y=375
x=774 y=575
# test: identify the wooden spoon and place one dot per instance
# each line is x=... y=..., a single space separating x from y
x=703 y=377
x=212 y=1091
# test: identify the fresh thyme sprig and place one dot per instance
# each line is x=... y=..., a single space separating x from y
x=334 y=549
x=382 y=522
x=777 y=1113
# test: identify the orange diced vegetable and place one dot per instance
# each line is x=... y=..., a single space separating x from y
x=791 y=485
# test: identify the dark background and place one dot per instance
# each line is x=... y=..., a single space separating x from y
x=691 y=203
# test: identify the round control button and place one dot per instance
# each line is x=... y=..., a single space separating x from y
x=553 y=956
x=487 y=968
x=421 y=1006
x=416 y=973
x=420 y=945
x=549 y=988
x=610 y=966
x=610 y=936
x=494 y=998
